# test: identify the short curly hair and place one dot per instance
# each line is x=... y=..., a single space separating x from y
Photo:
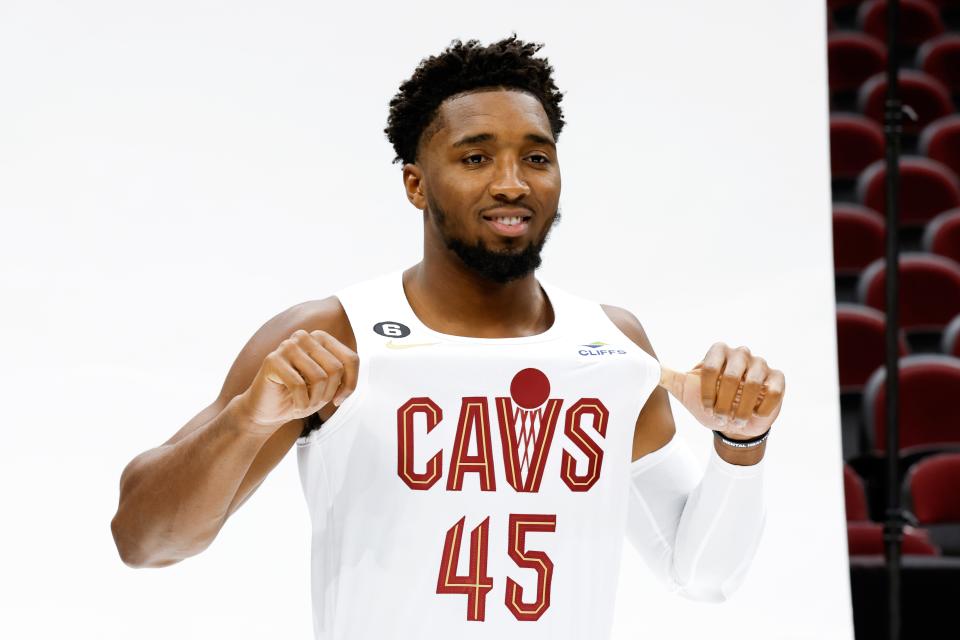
x=462 y=68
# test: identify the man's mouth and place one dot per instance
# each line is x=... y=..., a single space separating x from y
x=508 y=225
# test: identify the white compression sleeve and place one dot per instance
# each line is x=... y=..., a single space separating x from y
x=696 y=530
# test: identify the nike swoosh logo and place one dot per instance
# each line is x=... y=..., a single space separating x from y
x=393 y=345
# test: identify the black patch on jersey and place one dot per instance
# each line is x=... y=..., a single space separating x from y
x=391 y=329
x=312 y=423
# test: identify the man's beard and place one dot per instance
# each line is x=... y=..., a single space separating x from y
x=499 y=266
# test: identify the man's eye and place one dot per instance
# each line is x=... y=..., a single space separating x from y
x=468 y=158
x=542 y=159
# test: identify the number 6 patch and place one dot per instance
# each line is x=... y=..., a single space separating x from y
x=392 y=329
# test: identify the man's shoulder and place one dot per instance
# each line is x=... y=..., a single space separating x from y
x=629 y=325
x=623 y=319
x=324 y=314
x=330 y=314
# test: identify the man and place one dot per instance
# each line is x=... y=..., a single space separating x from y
x=473 y=444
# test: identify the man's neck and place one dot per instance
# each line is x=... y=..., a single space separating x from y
x=450 y=298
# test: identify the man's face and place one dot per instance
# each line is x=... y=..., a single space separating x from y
x=488 y=181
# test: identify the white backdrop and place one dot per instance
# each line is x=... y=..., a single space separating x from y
x=174 y=173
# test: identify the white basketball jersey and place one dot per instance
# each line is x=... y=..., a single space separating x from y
x=473 y=487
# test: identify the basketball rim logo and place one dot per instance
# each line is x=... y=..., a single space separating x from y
x=530 y=391
x=526 y=420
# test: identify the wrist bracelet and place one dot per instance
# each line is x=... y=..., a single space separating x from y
x=743 y=444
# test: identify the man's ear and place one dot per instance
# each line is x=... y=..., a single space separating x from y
x=413 y=184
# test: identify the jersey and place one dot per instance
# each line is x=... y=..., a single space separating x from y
x=473 y=487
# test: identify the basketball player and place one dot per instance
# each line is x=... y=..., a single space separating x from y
x=473 y=443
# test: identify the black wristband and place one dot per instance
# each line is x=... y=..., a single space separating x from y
x=743 y=444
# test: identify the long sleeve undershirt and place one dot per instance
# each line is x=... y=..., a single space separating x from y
x=696 y=529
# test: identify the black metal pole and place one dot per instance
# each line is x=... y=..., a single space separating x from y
x=893 y=525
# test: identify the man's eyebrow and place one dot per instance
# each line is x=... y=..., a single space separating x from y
x=535 y=137
x=487 y=137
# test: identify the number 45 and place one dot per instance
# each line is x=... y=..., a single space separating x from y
x=476 y=584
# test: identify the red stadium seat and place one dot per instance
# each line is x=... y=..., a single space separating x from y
x=940 y=57
x=858 y=238
x=950 y=345
x=942 y=235
x=927 y=189
x=933 y=485
x=931 y=494
x=852 y=57
x=929 y=290
x=940 y=141
x=929 y=417
x=923 y=93
x=918 y=20
x=855 y=497
x=866 y=539
x=861 y=345
x=855 y=142
x=861 y=350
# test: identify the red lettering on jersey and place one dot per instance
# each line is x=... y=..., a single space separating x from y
x=427 y=478
x=534 y=449
x=475 y=583
x=474 y=422
x=519 y=525
x=576 y=433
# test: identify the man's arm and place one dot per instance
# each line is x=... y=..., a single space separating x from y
x=696 y=530
x=655 y=426
x=175 y=498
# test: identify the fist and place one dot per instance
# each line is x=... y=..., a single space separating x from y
x=730 y=390
x=305 y=372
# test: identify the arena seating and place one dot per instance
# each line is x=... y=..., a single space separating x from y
x=858 y=238
x=927 y=188
x=855 y=142
x=940 y=58
x=929 y=290
x=940 y=141
x=855 y=497
x=860 y=351
x=852 y=57
x=929 y=243
x=861 y=335
x=941 y=236
x=866 y=538
x=931 y=493
x=919 y=20
x=926 y=96
x=929 y=418
x=950 y=345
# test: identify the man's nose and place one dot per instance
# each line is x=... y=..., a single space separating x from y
x=508 y=182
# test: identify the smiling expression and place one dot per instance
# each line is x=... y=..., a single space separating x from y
x=487 y=174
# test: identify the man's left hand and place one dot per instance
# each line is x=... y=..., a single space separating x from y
x=730 y=390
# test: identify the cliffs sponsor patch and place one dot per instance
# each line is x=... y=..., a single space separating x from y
x=599 y=349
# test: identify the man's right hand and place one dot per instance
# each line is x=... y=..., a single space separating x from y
x=304 y=373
